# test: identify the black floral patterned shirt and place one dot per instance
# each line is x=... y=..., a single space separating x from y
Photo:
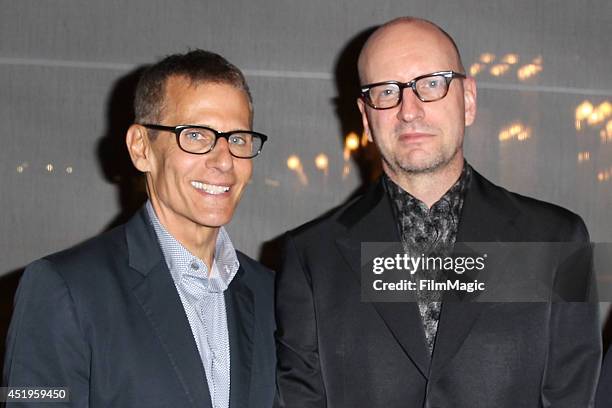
x=428 y=232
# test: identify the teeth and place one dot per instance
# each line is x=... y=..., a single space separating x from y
x=210 y=188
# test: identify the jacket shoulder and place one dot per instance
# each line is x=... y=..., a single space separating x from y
x=92 y=254
x=540 y=217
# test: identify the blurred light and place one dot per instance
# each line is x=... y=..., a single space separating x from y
x=605 y=108
x=537 y=60
x=595 y=118
x=514 y=131
x=364 y=139
x=584 y=156
x=271 y=182
x=604 y=175
x=510 y=59
x=487 y=58
x=293 y=162
x=606 y=134
x=527 y=71
x=600 y=113
x=524 y=135
x=322 y=162
x=499 y=69
x=69 y=169
x=475 y=69
x=22 y=167
x=582 y=112
x=49 y=167
x=352 y=141
x=346 y=170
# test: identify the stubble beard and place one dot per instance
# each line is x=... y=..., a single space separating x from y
x=406 y=167
x=429 y=165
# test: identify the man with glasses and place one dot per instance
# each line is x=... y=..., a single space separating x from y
x=336 y=350
x=161 y=311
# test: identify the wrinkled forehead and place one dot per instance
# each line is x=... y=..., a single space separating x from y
x=417 y=44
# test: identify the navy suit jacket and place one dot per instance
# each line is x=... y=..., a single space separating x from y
x=336 y=351
x=104 y=319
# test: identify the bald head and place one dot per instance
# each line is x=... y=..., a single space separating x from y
x=398 y=36
x=417 y=139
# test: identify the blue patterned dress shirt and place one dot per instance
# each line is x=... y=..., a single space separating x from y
x=201 y=293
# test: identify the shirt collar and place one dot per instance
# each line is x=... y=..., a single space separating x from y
x=184 y=265
x=451 y=201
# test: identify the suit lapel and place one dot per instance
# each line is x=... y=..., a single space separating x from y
x=240 y=323
x=371 y=220
x=487 y=216
x=160 y=301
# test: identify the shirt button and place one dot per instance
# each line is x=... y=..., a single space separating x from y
x=195 y=266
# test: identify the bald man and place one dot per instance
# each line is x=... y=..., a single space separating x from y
x=337 y=350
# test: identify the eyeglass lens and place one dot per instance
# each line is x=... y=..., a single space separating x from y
x=428 y=89
x=241 y=144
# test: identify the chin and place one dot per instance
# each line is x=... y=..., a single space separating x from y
x=425 y=165
x=215 y=220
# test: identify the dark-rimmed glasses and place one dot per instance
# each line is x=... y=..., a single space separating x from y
x=428 y=88
x=243 y=144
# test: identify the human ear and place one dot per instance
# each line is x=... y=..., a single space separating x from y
x=364 y=119
x=469 y=100
x=138 y=145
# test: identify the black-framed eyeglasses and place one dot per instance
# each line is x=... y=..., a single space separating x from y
x=244 y=144
x=428 y=88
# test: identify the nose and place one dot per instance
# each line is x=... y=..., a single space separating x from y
x=220 y=157
x=411 y=107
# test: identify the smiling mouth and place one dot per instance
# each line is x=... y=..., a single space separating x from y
x=210 y=188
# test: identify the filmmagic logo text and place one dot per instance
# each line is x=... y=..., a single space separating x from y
x=429 y=285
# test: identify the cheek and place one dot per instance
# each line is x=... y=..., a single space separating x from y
x=244 y=170
x=457 y=110
x=381 y=123
x=448 y=118
x=176 y=169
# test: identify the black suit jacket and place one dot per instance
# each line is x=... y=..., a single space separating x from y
x=105 y=319
x=604 y=390
x=336 y=351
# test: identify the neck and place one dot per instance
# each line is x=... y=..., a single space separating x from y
x=428 y=187
x=198 y=239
